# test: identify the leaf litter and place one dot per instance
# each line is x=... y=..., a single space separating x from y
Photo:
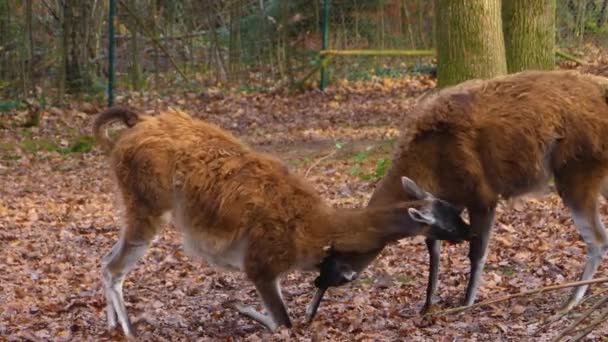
x=57 y=220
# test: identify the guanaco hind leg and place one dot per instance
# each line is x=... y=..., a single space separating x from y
x=579 y=192
x=135 y=238
x=270 y=291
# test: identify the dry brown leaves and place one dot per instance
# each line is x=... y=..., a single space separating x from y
x=57 y=220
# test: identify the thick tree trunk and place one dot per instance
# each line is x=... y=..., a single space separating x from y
x=470 y=42
x=529 y=30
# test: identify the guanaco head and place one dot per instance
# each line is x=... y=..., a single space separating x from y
x=423 y=215
x=442 y=219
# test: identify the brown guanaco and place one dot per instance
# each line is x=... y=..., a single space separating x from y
x=240 y=209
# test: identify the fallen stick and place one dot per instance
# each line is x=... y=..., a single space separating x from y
x=318 y=161
x=552 y=319
x=564 y=55
x=586 y=330
x=519 y=294
x=580 y=319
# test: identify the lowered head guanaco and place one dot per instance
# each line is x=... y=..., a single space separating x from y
x=483 y=140
x=240 y=209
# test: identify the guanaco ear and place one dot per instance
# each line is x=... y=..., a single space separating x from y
x=421 y=217
x=413 y=190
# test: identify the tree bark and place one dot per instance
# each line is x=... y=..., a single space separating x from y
x=409 y=23
x=470 y=41
x=134 y=70
x=29 y=68
x=601 y=20
x=529 y=30
x=5 y=40
x=75 y=30
x=234 y=40
x=581 y=16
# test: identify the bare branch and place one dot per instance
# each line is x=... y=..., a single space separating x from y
x=153 y=39
x=519 y=294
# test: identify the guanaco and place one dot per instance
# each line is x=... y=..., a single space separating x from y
x=483 y=140
x=240 y=209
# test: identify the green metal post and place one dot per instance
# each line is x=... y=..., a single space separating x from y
x=111 y=52
x=324 y=24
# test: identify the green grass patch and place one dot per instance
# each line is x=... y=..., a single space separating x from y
x=508 y=271
x=80 y=144
x=403 y=279
x=7 y=151
x=37 y=145
x=365 y=280
x=382 y=164
x=8 y=105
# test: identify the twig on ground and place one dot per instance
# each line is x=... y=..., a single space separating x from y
x=580 y=319
x=586 y=330
x=554 y=318
x=329 y=155
x=595 y=295
x=567 y=56
x=519 y=294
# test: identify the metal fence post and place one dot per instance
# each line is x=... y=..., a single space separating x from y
x=323 y=61
x=111 y=42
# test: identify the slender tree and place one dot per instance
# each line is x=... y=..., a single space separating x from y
x=29 y=39
x=601 y=20
x=134 y=69
x=76 y=22
x=470 y=41
x=529 y=30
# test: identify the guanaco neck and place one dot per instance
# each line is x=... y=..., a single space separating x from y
x=367 y=229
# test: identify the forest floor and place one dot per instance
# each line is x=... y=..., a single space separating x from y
x=57 y=219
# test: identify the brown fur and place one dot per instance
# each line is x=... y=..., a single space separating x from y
x=480 y=141
x=228 y=200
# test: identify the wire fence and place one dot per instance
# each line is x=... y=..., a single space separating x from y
x=48 y=47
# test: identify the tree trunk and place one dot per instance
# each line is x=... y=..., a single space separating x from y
x=285 y=39
x=529 y=29
x=234 y=40
x=5 y=40
x=29 y=38
x=581 y=16
x=75 y=31
x=64 y=55
x=470 y=42
x=601 y=20
x=156 y=58
x=421 y=19
x=409 y=23
x=134 y=70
